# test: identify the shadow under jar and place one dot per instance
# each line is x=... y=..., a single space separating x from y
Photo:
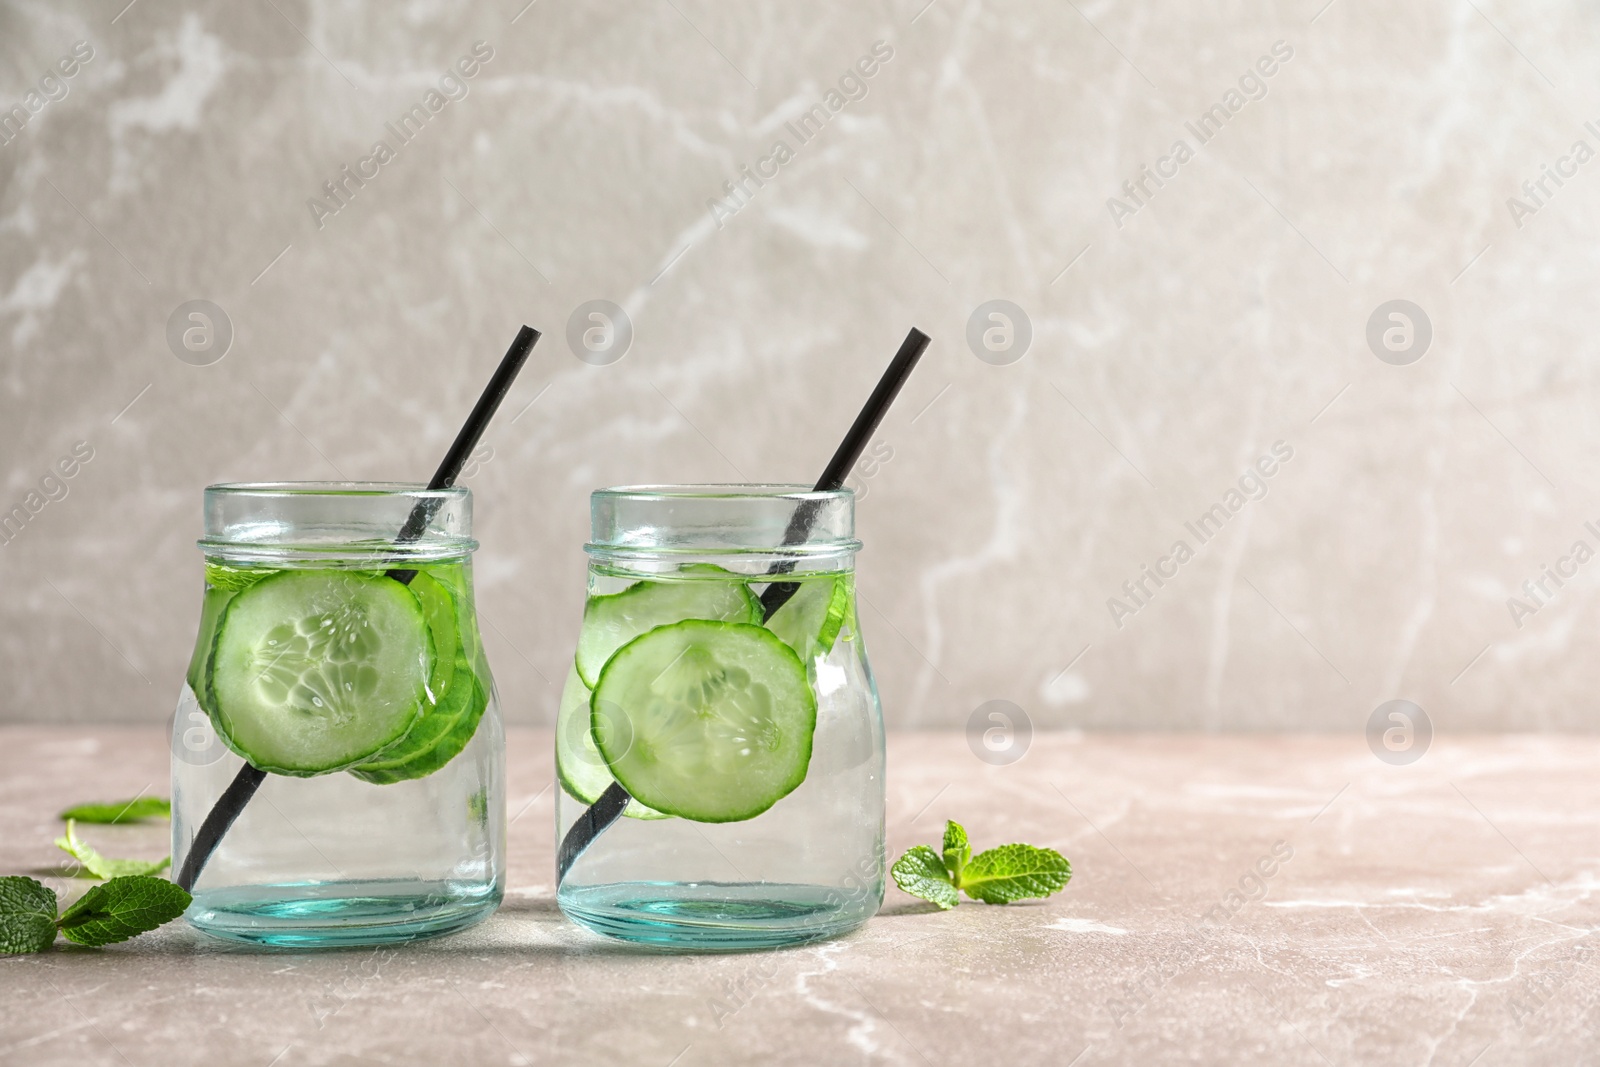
x=345 y=661
x=750 y=740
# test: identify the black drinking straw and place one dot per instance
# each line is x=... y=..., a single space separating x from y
x=249 y=779
x=608 y=808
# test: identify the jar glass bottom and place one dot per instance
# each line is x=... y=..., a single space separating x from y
x=331 y=861
x=717 y=916
x=341 y=914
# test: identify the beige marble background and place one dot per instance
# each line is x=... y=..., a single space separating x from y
x=1171 y=346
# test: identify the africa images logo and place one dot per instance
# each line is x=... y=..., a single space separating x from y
x=852 y=88
x=1252 y=86
x=54 y=85
x=342 y=189
x=1253 y=484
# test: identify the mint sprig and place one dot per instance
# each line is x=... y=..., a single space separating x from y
x=120 y=811
x=100 y=866
x=107 y=913
x=997 y=876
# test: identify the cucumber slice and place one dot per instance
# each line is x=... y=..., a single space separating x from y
x=450 y=734
x=579 y=766
x=460 y=696
x=609 y=622
x=711 y=721
x=439 y=608
x=315 y=670
x=222 y=582
x=211 y=609
x=436 y=723
x=809 y=622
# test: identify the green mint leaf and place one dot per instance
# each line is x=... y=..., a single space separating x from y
x=121 y=810
x=121 y=908
x=957 y=852
x=921 y=873
x=99 y=866
x=1013 y=872
x=27 y=915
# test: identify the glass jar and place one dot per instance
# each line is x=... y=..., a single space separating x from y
x=339 y=652
x=719 y=618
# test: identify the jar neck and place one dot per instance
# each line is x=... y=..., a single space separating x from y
x=750 y=529
x=347 y=524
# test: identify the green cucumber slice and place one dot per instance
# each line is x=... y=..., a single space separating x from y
x=439 y=608
x=211 y=609
x=455 y=578
x=437 y=721
x=710 y=721
x=450 y=736
x=579 y=766
x=315 y=670
x=459 y=696
x=222 y=582
x=809 y=622
x=611 y=621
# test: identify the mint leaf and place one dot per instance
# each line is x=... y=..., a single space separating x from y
x=27 y=915
x=1013 y=872
x=121 y=908
x=99 y=866
x=957 y=852
x=921 y=873
x=121 y=810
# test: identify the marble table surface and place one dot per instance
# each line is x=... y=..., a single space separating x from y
x=1438 y=913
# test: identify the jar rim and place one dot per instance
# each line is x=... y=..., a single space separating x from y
x=336 y=488
x=722 y=491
